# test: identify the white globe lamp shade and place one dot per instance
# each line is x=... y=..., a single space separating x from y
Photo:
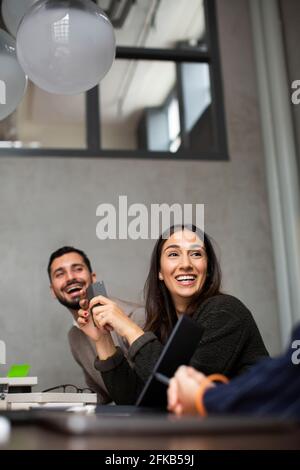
x=13 y=11
x=13 y=81
x=65 y=46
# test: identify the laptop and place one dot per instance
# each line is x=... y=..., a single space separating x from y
x=178 y=351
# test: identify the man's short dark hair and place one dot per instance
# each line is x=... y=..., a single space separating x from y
x=65 y=250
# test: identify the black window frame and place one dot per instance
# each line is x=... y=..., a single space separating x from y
x=92 y=109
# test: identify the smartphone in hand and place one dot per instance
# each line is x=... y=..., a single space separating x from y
x=95 y=289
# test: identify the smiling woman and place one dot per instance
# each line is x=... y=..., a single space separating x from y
x=184 y=278
x=183 y=268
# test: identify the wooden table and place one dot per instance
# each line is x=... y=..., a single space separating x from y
x=152 y=432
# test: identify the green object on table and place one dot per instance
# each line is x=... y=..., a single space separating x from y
x=18 y=370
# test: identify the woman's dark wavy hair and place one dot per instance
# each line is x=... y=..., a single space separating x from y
x=160 y=310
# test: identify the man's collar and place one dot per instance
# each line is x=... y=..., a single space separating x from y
x=74 y=314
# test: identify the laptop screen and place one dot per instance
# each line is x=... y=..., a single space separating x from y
x=178 y=351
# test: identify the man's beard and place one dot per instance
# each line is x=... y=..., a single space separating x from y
x=72 y=305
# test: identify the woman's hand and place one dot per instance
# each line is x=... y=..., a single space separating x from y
x=101 y=335
x=85 y=320
x=182 y=390
x=86 y=324
x=109 y=316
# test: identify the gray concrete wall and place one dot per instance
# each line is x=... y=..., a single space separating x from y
x=48 y=202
